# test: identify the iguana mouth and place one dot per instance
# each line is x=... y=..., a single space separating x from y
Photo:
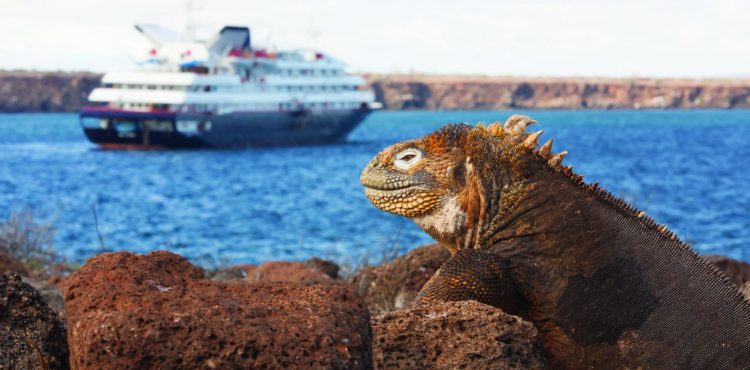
x=377 y=195
x=385 y=182
x=407 y=201
x=386 y=187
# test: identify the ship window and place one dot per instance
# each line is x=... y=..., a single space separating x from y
x=125 y=127
x=154 y=125
x=94 y=122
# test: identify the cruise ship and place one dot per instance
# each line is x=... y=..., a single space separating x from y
x=225 y=93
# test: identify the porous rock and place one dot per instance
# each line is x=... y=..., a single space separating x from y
x=158 y=311
x=51 y=294
x=395 y=284
x=327 y=267
x=235 y=273
x=275 y=271
x=453 y=335
x=31 y=334
x=283 y=271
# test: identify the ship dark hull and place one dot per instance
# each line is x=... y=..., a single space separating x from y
x=141 y=130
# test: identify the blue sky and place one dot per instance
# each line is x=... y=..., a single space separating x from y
x=520 y=38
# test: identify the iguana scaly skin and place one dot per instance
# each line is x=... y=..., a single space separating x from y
x=606 y=286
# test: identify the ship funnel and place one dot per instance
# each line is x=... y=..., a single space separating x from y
x=230 y=39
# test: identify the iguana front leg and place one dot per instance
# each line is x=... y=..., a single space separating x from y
x=472 y=274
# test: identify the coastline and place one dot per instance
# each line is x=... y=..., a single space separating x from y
x=398 y=92
x=37 y=91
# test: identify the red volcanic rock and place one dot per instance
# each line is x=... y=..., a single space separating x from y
x=282 y=271
x=451 y=335
x=31 y=334
x=157 y=311
x=316 y=272
x=327 y=267
x=395 y=284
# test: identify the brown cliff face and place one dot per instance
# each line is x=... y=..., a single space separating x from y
x=476 y=92
x=45 y=91
x=67 y=91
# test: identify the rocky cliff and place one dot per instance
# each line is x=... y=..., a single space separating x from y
x=45 y=91
x=477 y=92
x=66 y=92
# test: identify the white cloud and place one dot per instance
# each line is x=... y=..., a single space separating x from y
x=542 y=37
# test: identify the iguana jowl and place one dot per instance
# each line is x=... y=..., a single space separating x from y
x=606 y=286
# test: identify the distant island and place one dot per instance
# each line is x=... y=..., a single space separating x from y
x=33 y=91
x=491 y=92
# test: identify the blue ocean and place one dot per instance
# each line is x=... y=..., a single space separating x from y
x=688 y=169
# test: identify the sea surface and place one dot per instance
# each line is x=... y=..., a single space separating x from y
x=688 y=169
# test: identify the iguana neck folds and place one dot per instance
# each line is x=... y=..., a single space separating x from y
x=448 y=219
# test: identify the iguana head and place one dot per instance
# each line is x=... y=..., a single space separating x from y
x=454 y=182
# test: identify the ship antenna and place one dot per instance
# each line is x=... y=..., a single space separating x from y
x=189 y=26
x=314 y=33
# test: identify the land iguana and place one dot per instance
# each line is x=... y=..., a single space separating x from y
x=606 y=286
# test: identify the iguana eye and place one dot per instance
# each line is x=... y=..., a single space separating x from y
x=407 y=158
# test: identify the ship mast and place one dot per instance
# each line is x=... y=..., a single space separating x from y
x=189 y=24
